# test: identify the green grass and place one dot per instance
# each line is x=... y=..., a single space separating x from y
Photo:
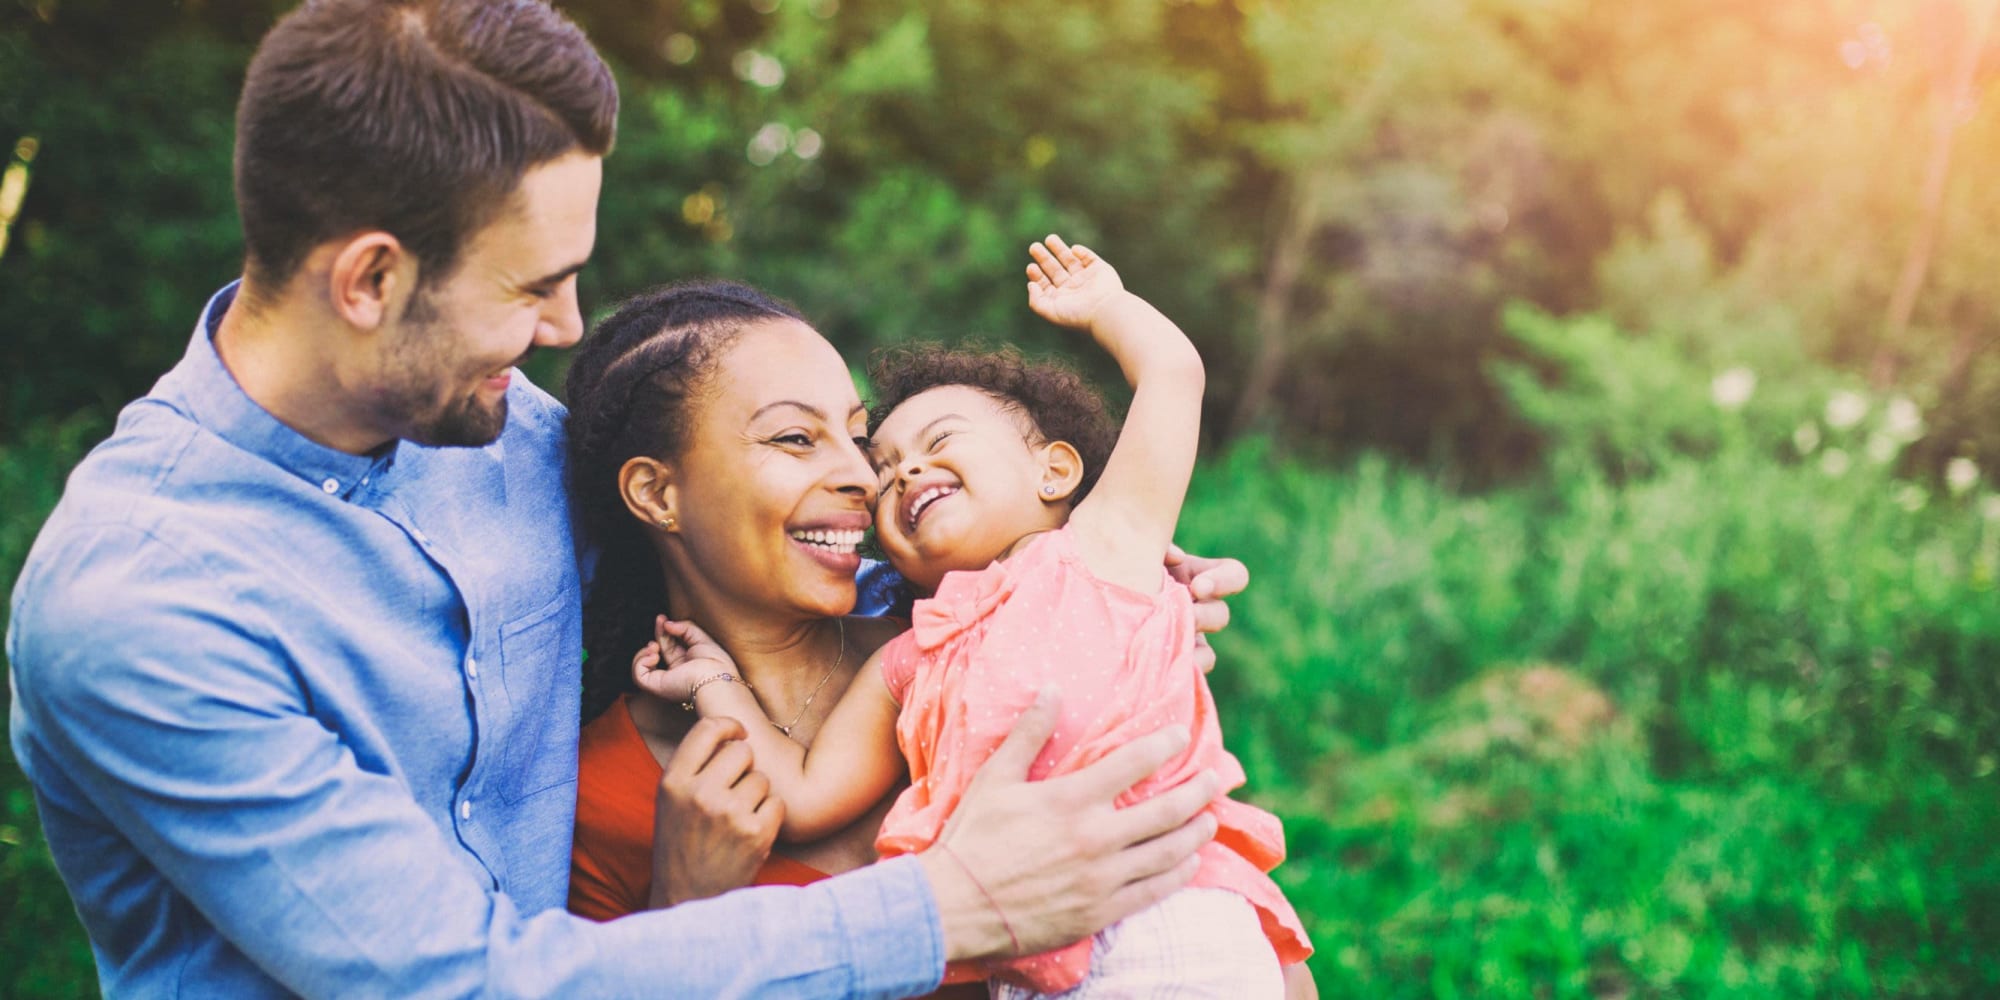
x=1728 y=729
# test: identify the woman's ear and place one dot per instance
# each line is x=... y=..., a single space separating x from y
x=1062 y=472
x=647 y=486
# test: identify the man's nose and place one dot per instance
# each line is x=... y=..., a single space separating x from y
x=561 y=323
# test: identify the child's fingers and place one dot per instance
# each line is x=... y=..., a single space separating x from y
x=1050 y=265
x=1035 y=275
x=1085 y=256
x=1063 y=253
x=690 y=633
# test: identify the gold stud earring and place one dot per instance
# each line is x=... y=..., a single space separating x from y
x=667 y=522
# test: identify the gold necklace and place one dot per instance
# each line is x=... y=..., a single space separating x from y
x=837 y=661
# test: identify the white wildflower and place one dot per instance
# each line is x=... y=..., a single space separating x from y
x=1882 y=448
x=1834 y=462
x=1732 y=388
x=1902 y=420
x=1845 y=409
x=1961 y=474
x=772 y=139
x=757 y=68
x=1806 y=438
x=1990 y=508
x=1911 y=497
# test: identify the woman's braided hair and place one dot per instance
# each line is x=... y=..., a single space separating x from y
x=1058 y=403
x=629 y=388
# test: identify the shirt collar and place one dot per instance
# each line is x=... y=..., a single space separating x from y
x=202 y=387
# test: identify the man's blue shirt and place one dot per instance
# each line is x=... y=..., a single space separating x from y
x=305 y=721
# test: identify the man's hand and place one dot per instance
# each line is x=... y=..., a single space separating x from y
x=1210 y=581
x=714 y=818
x=1025 y=866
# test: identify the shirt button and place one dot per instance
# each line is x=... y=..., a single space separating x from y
x=472 y=668
x=331 y=486
x=465 y=809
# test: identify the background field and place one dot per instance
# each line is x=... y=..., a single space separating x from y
x=1605 y=398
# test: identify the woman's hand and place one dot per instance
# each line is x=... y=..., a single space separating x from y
x=1210 y=581
x=714 y=819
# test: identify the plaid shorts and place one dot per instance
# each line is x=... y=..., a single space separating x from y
x=1195 y=943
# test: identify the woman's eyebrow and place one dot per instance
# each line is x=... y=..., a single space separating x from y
x=811 y=410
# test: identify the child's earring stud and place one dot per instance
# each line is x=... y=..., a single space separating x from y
x=1049 y=489
x=667 y=522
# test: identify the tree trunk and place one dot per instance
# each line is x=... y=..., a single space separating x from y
x=1275 y=337
x=1937 y=172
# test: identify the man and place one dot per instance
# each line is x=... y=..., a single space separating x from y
x=295 y=659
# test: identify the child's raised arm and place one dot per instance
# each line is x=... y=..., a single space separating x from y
x=1127 y=521
x=853 y=762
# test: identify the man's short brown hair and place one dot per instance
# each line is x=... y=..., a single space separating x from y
x=415 y=117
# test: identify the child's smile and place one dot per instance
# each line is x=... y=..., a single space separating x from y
x=959 y=478
x=918 y=501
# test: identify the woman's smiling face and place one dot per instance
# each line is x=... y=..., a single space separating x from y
x=772 y=490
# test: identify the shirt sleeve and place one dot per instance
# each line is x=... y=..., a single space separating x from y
x=880 y=591
x=174 y=715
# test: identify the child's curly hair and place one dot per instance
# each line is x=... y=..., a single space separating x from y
x=1057 y=402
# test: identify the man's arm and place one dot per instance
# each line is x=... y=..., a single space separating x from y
x=181 y=725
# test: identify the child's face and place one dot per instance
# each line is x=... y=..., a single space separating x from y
x=961 y=479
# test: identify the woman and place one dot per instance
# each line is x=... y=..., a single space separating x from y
x=716 y=463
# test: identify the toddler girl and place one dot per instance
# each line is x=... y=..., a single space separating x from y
x=1041 y=546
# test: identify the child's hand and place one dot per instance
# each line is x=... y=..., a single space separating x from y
x=1069 y=286
x=680 y=657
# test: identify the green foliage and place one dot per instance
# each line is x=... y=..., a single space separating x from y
x=42 y=950
x=1725 y=730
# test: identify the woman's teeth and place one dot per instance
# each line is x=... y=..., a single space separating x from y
x=842 y=542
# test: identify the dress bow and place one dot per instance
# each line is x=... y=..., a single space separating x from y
x=962 y=599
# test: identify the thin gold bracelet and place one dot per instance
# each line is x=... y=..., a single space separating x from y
x=732 y=678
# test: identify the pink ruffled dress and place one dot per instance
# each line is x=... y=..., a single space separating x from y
x=973 y=659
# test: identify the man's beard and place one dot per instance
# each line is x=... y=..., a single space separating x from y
x=462 y=423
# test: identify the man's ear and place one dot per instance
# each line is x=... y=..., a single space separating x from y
x=647 y=486
x=371 y=275
x=1062 y=472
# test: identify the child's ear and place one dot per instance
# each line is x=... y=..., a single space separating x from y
x=647 y=486
x=1062 y=472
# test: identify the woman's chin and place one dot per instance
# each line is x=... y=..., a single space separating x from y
x=824 y=585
